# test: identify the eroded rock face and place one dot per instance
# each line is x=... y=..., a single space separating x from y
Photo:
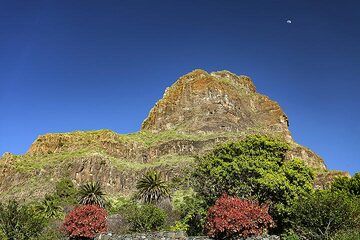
x=216 y=102
x=222 y=102
x=198 y=112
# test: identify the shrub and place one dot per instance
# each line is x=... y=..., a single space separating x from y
x=85 y=222
x=349 y=185
x=254 y=168
x=143 y=218
x=192 y=209
x=232 y=217
x=179 y=226
x=115 y=204
x=19 y=222
x=152 y=188
x=54 y=205
x=92 y=194
x=321 y=215
x=353 y=234
x=66 y=191
x=49 y=207
x=290 y=235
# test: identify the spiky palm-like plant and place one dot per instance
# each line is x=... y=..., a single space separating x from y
x=151 y=187
x=92 y=194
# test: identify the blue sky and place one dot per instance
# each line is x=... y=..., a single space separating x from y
x=84 y=65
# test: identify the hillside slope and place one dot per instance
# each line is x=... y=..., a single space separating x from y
x=199 y=111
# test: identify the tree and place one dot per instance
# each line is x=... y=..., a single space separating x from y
x=324 y=213
x=255 y=167
x=232 y=217
x=151 y=187
x=92 y=194
x=19 y=222
x=349 y=185
x=85 y=222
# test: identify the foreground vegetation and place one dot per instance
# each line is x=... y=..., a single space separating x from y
x=241 y=189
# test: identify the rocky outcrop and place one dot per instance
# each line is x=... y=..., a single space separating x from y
x=199 y=111
x=216 y=102
x=222 y=102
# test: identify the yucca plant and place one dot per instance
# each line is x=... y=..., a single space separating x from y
x=92 y=194
x=151 y=187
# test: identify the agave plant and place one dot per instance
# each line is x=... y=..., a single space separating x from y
x=151 y=187
x=92 y=194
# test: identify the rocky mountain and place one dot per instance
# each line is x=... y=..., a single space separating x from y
x=216 y=102
x=199 y=111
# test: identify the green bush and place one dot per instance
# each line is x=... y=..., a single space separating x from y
x=50 y=207
x=179 y=226
x=254 y=168
x=353 y=234
x=192 y=211
x=349 y=185
x=143 y=217
x=290 y=235
x=65 y=189
x=19 y=222
x=324 y=213
x=116 y=204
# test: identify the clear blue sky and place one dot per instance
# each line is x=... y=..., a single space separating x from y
x=81 y=65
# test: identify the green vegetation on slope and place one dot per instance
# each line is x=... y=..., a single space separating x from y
x=54 y=156
x=254 y=168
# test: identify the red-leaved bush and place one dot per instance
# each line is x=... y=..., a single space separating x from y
x=85 y=222
x=233 y=217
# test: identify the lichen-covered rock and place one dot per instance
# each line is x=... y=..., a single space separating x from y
x=198 y=112
x=216 y=102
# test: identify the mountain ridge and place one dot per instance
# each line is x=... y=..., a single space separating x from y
x=198 y=112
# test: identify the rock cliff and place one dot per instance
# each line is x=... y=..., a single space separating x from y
x=216 y=102
x=200 y=110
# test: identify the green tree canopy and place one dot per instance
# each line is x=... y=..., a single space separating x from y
x=322 y=214
x=255 y=167
x=349 y=185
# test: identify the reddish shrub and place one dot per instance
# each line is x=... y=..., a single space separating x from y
x=85 y=222
x=232 y=217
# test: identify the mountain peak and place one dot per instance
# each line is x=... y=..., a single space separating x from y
x=216 y=102
x=198 y=112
